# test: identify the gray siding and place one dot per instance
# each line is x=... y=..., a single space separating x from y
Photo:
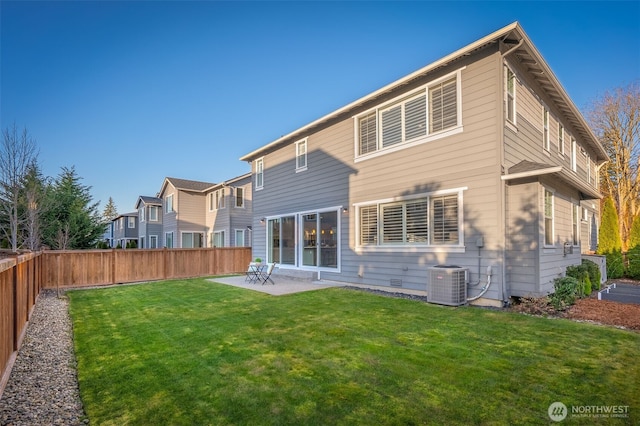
x=468 y=159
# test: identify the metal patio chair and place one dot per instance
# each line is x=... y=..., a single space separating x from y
x=266 y=275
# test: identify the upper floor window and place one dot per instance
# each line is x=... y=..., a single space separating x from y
x=141 y=214
x=168 y=204
x=259 y=173
x=121 y=223
x=561 y=139
x=239 y=197
x=429 y=220
x=432 y=109
x=574 y=155
x=131 y=222
x=510 y=92
x=545 y=129
x=216 y=199
x=301 y=155
x=153 y=213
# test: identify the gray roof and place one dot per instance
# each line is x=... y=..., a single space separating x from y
x=528 y=166
x=150 y=200
x=190 y=185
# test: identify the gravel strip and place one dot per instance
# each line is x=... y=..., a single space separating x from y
x=43 y=386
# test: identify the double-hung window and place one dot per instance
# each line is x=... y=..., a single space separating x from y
x=510 y=93
x=168 y=204
x=545 y=129
x=131 y=222
x=414 y=117
x=548 y=217
x=560 y=139
x=218 y=199
x=259 y=173
x=141 y=213
x=153 y=213
x=430 y=220
x=301 y=155
x=239 y=197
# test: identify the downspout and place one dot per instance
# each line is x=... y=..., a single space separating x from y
x=503 y=195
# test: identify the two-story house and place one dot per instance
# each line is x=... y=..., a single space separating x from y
x=479 y=160
x=228 y=213
x=149 y=222
x=203 y=214
x=125 y=230
x=184 y=216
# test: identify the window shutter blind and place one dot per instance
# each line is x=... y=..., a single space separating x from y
x=416 y=117
x=368 y=133
x=445 y=219
x=417 y=222
x=443 y=103
x=392 y=126
x=369 y=225
x=392 y=223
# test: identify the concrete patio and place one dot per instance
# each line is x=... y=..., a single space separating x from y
x=288 y=285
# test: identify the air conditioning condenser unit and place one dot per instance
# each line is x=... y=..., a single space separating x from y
x=447 y=285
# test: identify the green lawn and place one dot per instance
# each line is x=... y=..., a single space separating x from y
x=192 y=352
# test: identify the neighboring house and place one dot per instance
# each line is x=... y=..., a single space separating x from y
x=184 y=215
x=125 y=230
x=150 y=232
x=478 y=160
x=229 y=213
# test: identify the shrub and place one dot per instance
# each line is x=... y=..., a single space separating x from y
x=594 y=273
x=587 y=286
x=567 y=289
x=633 y=257
x=615 y=264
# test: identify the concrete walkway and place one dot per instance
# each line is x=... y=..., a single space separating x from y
x=623 y=293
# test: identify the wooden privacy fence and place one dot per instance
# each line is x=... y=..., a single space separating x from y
x=22 y=278
x=65 y=269
x=19 y=287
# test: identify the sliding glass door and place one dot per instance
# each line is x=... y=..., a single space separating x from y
x=315 y=244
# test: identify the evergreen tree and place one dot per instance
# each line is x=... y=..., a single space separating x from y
x=609 y=241
x=609 y=237
x=32 y=205
x=110 y=211
x=634 y=236
x=72 y=220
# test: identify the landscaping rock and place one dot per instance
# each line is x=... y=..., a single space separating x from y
x=43 y=386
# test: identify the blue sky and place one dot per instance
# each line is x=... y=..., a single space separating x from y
x=131 y=92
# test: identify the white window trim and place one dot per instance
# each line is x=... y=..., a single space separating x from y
x=513 y=124
x=153 y=237
x=153 y=208
x=166 y=204
x=562 y=137
x=574 y=155
x=131 y=222
x=400 y=99
x=213 y=238
x=575 y=215
x=141 y=213
x=302 y=142
x=553 y=217
x=235 y=234
x=423 y=248
x=259 y=166
x=546 y=136
x=235 y=201
x=173 y=243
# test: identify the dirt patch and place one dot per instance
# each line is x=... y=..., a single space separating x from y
x=607 y=312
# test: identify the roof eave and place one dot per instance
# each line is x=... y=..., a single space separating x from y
x=491 y=38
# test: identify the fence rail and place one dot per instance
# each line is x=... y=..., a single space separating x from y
x=23 y=277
